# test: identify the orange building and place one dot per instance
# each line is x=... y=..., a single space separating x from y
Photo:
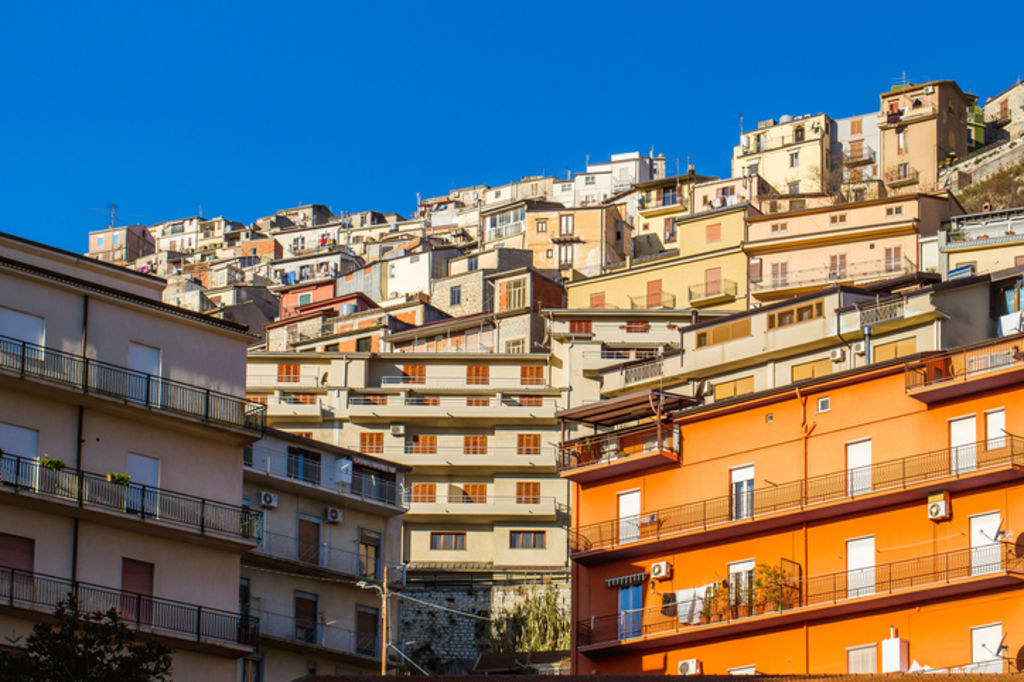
x=868 y=521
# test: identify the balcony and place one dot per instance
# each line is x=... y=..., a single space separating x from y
x=319 y=556
x=470 y=508
x=859 y=157
x=894 y=177
x=658 y=301
x=712 y=293
x=993 y=365
x=411 y=407
x=881 y=484
x=463 y=381
x=296 y=407
x=28 y=479
x=900 y=116
x=152 y=615
x=308 y=379
x=509 y=230
x=598 y=359
x=617 y=453
x=634 y=374
x=483 y=458
x=811 y=278
x=875 y=314
x=307 y=636
x=792 y=599
x=139 y=389
x=304 y=474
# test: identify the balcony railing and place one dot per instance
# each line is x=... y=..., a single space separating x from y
x=657 y=301
x=611 y=447
x=36 y=591
x=855 y=157
x=504 y=453
x=484 y=502
x=894 y=177
x=638 y=373
x=725 y=287
x=138 y=388
x=794 y=496
x=449 y=401
x=85 y=489
x=884 y=311
x=463 y=381
x=965 y=365
x=309 y=471
x=621 y=354
x=796 y=593
x=315 y=633
x=322 y=555
x=879 y=268
x=504 y=231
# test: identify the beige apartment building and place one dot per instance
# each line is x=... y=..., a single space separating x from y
x=793 y=154
x=120 y=245
x=121 y=457
x=333 y=520
x=921 y=126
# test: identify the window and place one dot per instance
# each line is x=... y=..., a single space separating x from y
x=424 y=492
x=893 y=258
x=794 y=159
x=837 y=219
x=736 y=387
x=824 y=404
x=516 y=297
x=862 y=660
x=364 y=344
x=478 y=402
x=528 y=400
x=857 y=126
x=18 y=553
x=469 y=493
x=742 y=489
x=531 y=375
x=527 y=492
x=306 y=616
x=637 y=327
x=549 y=253
x=526 y=539
x=893 y=349
x=741 y=583
x=995 y=429
x=779 y=228
x=369 y=554
x=901 y=142
x=800 y=313
x=367 y=628
x=455 y=295
x=713 y=233
x=515 y=347
x=720 y=333
x=116 y=239
x=798 y=134
x=589 y=180
x=371 y=443
x=597 y=300
x=472 y=264
x=837 y=266
x=581 y=327
x=528 y=444
x=670 y=229
x=565 y=255
x=474 y=445
x=99 y=241
x=542 y=226
x=303 y=465
x=794 y=188
x=421 y=444
x=903 y=171
x=668 y=196
x=565 y=224
x=288 y=373
x=811 y=370
x=305 y=299
x=477 y=375
x=894 y=210
x=780 y=275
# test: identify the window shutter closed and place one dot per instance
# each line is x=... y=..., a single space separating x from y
x=17 y=552
x=597 y=300
x=754 y=270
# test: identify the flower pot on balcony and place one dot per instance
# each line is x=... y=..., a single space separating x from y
x=123 y=479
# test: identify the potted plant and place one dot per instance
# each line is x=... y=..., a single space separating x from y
x=720 y=598
x=114 y=477
x=773 y=590
x=705 y=607
x=51 y=463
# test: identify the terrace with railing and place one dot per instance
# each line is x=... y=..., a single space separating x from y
x=792 y=597
x=79 y=373
x=322 y=556
x=879 y=268
x=308 y=471
x=634 y=374
x=882 y=311
x=27 y=476
x=143 y=613
x=463 y=381
x=988 y=365
x=653 y=301
x=718 y=290
x=312 y=633
x=897 y=177
x=777 y=502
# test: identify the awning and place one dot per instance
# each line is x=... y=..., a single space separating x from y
x=627 y=408
x=626 y=580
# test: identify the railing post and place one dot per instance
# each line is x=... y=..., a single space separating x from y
x=142 y=507
x=138 y=611
x=206 y=410
x=199 y=623
x=202 y=515
x=22 y=368
x=148 y=377
x=17 y=473
x=85 y=375
x=81 y=486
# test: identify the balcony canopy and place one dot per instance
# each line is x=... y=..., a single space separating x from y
x=627 y=408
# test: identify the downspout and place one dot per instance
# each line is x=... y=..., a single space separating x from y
x=78 y=441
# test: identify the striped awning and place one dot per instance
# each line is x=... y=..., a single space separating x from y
x=626 y=580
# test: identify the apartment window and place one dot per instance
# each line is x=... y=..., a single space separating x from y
x=421 y=444
x=779 y=228
x=566 y=187
x=780 y=275
x=637 y=327
x=721 y=333
x=893 y=258
x=477 y=375
x=742 y=490
x=548 y=253
x=303 y=465
x=862 y=660
x=801 y=313
x=837 y=219
x=893 y=349
x=369 y=554
x=670 y=229
x=531 y=375
x=305 y=299
x=261 y=399
x=367 y=628
x=794 y=159
x=565 y=252
x=736 y=387
x=526 y=539
x=528 y=400
x=565 y=224
x=308 y=544
x=516 y=294
x=542 y=226
x=478 y=402
x=474 y=445
x=527 y=492
x=995 y=429
x=811 y=370
x=469 y=493
x=371 y=443
x=894 y=210
x=497 y=194
x=668 y=196
x=837 y=266
x=589 y=180
x=901 y=142
x=528 y=444
x=903 y=171
x=18 y=553
x=824 y=404
x=794 y=187
x=581 y=327
x=713 y=233
x=288 y=373
x=424 y=492
x=99 y=241
x=306 y=616
x=741 y=583
x=455 y=295
x=415 y=374
x=798 y=134
x=515 y=347
x=472 y=264
x=597 y=300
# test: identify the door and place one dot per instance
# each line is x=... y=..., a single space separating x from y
x=713 y=281
x=858 y=467
x=741 y=586
x=985 y=552
x=143 y=496
x=631 y=611
x=309 y=540
x=995 y=429
x=17 y=561
x=18 y=442
x=137 y=588
x=654 y=294
x=629 y=516
x=963 y=435
x=742 y=492
x=860 y=567
x=985 y=643
x=306 y=617
x=144 y=387
x=18 y=327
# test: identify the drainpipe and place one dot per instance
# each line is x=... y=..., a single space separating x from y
x=78 y=443
x=867 y=345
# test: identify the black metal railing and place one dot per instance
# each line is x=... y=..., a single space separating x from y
x=796 y=495
x=26 y=589
x=86 y=489
x=784 y=593
x=614 y=446
x=138 y=388
x=375 y=488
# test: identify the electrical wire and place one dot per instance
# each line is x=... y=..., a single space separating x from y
x=402 y=595
x=411 y=662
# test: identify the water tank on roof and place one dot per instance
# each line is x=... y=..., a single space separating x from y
x=347 y=309
x=785 y=118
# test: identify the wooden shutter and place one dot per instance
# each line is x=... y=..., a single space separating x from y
x=531 y=375
x=754 y=270
x=856 y=148
x=305 y=611
x=712 y=281
x=423 y=444
x=528 y=444
x=503 y=296
x=477 y=375
x=309 y=542
x=288 y=372
x=713 y=233
x=137 y=584
x=527 y=492
x=366 y=630
x=654 y=293
x=474 y=445
x=670 y=229
x=17 y=552
x=417 y=374
x=597 y=300
x=424 y=492
x=581 y=327
x=1018 y=261
x=371 y=443
x=478 y=402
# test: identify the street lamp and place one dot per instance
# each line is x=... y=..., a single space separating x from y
x=382 y=590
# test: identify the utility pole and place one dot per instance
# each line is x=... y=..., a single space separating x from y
x=384 y=624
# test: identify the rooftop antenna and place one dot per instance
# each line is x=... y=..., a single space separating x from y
x=741 y=124
x=200 y=210
x=113 y=214
x=677 y=165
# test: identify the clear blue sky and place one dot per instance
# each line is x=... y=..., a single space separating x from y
x=248 y=107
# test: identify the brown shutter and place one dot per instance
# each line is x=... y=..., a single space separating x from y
x=597 y=300
x=305 y=616
x=714 y=233
x=754 y=270
x=371 y=443
x=17 y=552
x=712 y=281
x=532 y=375
x=309 y=542
x=528 y=444
x=137 y=583
x=424 y=492
x=654 y=293
x=503 y=296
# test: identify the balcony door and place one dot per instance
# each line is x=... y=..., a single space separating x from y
x=629 y=516
x=309 y=540
x=963 y=435
x=985 y=554
x=18 y=441
x=145 y=388
x=631 y=604
x=137 y=591
x=306 y=617
x=742 y=490
x=143 y=496
x=858 y=467
x=22 y=327
x=860 y=567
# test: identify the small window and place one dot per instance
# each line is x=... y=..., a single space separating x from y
x=837 y=219
x=472 y=264
x=824 y=404
x=364 y=344
x=779 y=228
x=794 y=188
x=99 y=241
x=713 y=233
x=581 y=327
x=590 y=180
x=526 y=539
x=527 y=492
x=528 y=444
x=542 y=226
x=794 y=159
x=455 y=295
x=638 y=327
x=515 y=347
x=548 y=253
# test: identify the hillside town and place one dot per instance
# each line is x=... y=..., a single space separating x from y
x=683 y=424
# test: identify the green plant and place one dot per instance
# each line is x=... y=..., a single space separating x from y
x=772 y=586
x=537 y=621
x=115 y=477
x=52 y=463
x=705 y=609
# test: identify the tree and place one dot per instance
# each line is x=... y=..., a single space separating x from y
x=538 y=621
x=94 y=646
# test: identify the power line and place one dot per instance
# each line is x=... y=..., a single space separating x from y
x=401 y=595
x=411 y=662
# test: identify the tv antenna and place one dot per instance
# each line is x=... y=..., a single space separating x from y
x=113 y=214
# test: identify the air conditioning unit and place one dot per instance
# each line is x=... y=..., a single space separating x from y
x=689 y=666
x=929 y=89
x=837 y=354
x=398 y=429
x=332 y=515
x=661 y=570
x=268 y=499
x=858 y=348
x=938 y=506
